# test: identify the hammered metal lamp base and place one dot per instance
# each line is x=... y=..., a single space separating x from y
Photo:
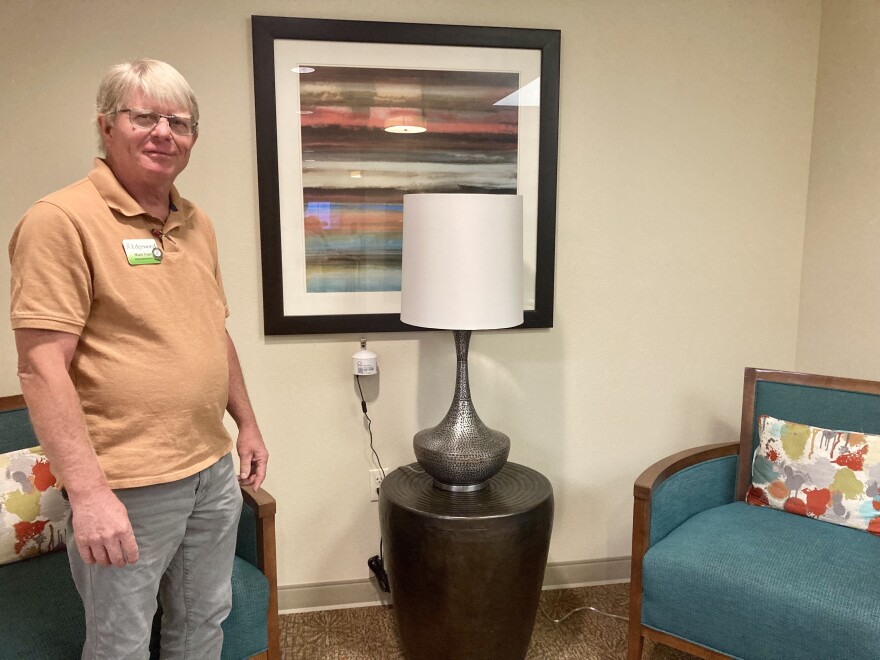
x=461 y=453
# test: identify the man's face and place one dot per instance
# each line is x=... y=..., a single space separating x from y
x=146 y=157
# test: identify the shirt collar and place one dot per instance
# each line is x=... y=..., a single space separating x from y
x=119 y=200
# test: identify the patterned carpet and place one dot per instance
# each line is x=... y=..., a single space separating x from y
x=369 y=633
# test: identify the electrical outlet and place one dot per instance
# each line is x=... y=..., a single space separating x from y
x=376 y=477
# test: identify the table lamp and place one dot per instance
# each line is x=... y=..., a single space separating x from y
x=462 y=271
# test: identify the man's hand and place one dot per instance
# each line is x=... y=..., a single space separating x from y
x=253 y=456
x=102 y=531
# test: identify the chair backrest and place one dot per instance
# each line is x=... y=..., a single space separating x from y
x=16 y=431
x=841 y=404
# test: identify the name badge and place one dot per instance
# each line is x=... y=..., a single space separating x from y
x=142 y=251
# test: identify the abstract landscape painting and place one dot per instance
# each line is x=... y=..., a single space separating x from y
x=355 y=172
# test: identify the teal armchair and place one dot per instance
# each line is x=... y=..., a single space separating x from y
x=41 y=615
x=719 y=578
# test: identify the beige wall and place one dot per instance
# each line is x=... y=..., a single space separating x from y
x=840 y=306
x=683 y=167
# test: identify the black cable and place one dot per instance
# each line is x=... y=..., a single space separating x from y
x=369 y=426
x=377 y=563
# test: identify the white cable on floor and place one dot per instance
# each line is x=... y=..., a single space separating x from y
x=578 y=609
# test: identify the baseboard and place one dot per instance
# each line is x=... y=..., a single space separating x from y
x=359 y=593
x=585 y=573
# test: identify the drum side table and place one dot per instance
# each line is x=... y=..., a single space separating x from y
x=466 y=569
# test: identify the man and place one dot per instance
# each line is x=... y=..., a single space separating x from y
x=125 y=363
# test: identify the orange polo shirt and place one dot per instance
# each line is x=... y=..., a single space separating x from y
x=151 y=367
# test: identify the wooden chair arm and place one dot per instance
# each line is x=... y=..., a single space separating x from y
x=660 y=471
x=263 y=506
x=13 y=402
x=261 y=502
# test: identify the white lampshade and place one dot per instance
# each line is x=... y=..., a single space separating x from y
x=462 y=261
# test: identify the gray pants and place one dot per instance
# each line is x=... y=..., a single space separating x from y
x=186 y=532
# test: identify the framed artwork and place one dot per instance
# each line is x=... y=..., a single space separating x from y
x=352 y=115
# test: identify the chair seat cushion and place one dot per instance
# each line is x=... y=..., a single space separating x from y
x=41 y=614
x=758 y=583
x=244 y=631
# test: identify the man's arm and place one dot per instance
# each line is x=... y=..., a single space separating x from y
x=102 y=530
x=251 y=449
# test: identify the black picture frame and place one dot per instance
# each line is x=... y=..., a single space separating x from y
x=267 y=30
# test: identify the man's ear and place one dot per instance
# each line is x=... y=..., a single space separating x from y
x=104 y=123
x=104 y=127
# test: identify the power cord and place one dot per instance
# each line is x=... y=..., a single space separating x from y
x=580 y=609
x=377 y=566
x=376 y=563
x=369 y=426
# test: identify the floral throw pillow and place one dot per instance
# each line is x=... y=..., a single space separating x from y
x=819 y=473
x=32 y=511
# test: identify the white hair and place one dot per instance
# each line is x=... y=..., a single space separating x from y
x=157 y=80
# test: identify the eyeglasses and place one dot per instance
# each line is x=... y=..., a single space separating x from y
x=147 y=119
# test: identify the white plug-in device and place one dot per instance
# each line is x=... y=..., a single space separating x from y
x=364 y=362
